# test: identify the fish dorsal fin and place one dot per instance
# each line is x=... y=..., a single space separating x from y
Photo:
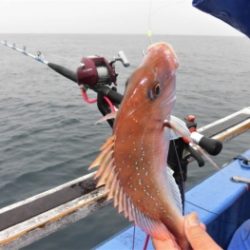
x=174 y=189
x=107 y=175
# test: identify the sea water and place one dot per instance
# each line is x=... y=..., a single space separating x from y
x=47 y=133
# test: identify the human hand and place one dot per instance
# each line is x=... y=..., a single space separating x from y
x=196 y=234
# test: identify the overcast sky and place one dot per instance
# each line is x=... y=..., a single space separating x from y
x=108 y=16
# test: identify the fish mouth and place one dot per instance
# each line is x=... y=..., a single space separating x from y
x=169 y=52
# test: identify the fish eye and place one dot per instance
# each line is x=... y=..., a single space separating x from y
x=156 y=89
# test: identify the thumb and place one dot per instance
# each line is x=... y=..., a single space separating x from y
x=197 y=236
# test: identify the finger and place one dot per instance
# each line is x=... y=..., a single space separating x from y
x=197 y=236
x=203 y=226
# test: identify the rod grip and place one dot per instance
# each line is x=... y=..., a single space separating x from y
x=212 y=146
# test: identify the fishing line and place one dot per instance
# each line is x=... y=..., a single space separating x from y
x=204 y=209
x=152 y=13
x=133 y=242
x=146 y=242
x=211 y=212
x=181 y=175
x=149 y=31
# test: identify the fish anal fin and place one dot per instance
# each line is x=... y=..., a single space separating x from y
x=116 y=195
x=120 y=202
x=105 y=149
x=105 y=165
x=105 y=162
x=101 y=157
x=125 y=206
x=108 y=174
x=112 y=188
x=109 y=141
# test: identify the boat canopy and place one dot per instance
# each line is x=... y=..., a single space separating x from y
x=235 y=13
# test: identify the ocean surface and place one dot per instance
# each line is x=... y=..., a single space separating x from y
x=47 y=133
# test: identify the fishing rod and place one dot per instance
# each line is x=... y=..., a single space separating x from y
x=38 y=57
x=95 y=72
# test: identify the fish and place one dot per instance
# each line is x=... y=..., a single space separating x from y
x=132 y=163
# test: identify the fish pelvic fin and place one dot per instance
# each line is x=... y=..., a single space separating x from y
x=107 y=175
x=109 y=116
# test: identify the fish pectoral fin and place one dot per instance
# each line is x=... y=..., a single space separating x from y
x=179 y=127
x=109 y=116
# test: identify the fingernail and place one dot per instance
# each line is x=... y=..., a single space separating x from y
x=192 y=220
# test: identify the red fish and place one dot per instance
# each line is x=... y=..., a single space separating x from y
x=132 y=162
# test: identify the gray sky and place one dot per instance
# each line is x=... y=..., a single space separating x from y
x=108 y=16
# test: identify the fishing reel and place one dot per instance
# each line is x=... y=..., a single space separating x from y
x=98 y=74
x=96 y=71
